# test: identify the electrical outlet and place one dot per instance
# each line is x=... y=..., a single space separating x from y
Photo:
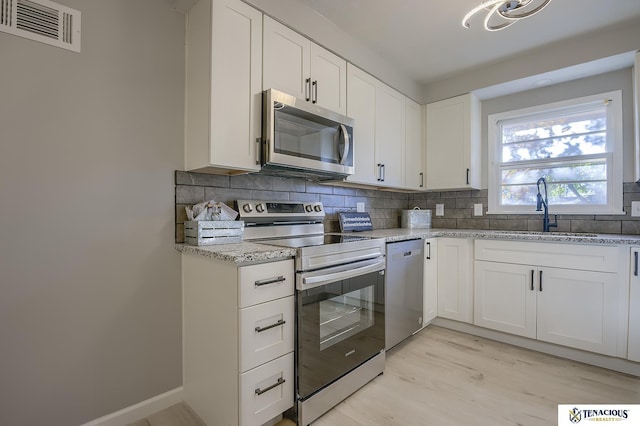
x=635 y=208
x=439 y=209
x=360 y=207
x=477 y=209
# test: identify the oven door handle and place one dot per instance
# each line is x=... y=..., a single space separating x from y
x=342 y=273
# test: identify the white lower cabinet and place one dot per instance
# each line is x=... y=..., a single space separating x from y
x=505 y=298
x=238 y=339
x=633 y=353
x=430 y=280
x=569 y=305
x=266 y=391
x=455 y=279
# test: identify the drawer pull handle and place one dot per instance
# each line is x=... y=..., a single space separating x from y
x=279 y=323
x=275 y=385
x=270 y=281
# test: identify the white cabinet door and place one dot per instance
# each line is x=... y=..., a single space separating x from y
x=329 y=80
x=361 y=106
x=578 y=309
x=414 y=146
x=634 y=307
x=224 y=61
x=390 y=135
x=455 y=272
x=505 y=297
x=287 y=59
x=430 y=280
x=295 y=65
x=453 y=143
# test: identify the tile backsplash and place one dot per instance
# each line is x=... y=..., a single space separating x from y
x=385 y=206
x=191 y=188
x=458 y=213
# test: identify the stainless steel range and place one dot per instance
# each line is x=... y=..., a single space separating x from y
x=340 y=279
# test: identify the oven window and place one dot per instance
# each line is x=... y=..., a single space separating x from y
x=345 y=315
x=340 y=325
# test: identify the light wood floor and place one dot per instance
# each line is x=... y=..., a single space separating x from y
x=442 y=377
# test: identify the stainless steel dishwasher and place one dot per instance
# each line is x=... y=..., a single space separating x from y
x=403 y=291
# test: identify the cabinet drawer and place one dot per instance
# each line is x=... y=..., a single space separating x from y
x=559 y=255
x=266 y=332
x=264 y=282
x=266 y=391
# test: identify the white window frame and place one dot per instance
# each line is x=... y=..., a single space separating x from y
x=614 y=156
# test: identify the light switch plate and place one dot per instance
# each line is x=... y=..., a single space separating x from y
x=477 y=209
x=439 y=209
x=635 y=208
x=360 y=207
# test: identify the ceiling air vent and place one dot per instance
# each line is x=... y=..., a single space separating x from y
x=43 y=21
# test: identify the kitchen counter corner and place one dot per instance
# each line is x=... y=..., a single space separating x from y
x=239 y=253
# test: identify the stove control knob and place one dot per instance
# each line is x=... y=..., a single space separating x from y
x=308 y=208
x=317 y=208
x=247 y=208
x=260 y=208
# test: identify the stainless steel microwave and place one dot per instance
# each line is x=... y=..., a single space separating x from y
x=304 y=140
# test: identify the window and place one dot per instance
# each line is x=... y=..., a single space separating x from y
x=575 y=145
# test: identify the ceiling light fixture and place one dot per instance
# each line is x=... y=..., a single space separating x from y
x=501 y=13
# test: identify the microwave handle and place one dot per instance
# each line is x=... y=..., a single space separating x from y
x=347 y=144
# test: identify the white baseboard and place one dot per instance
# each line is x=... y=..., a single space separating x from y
x=140 y=410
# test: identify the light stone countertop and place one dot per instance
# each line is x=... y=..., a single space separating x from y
x=247 y=252
x=401 y=234
x=240 y=253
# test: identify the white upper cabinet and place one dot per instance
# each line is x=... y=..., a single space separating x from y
x=379 y=131
x=295 y=65
x=329 y=79
x=453 y=143
x=223 y=87
x=414 y=146
x=361 y=95
x=390 y=136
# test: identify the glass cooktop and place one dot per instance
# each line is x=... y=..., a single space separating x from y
x=315 y=240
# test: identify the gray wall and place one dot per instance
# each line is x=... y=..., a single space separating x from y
x=90 y=299
x=582 y=49
x=459 y=204
x=615 y=80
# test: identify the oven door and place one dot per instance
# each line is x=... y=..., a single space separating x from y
x=340 y=322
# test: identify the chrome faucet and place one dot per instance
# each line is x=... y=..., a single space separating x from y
x=545 y=203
